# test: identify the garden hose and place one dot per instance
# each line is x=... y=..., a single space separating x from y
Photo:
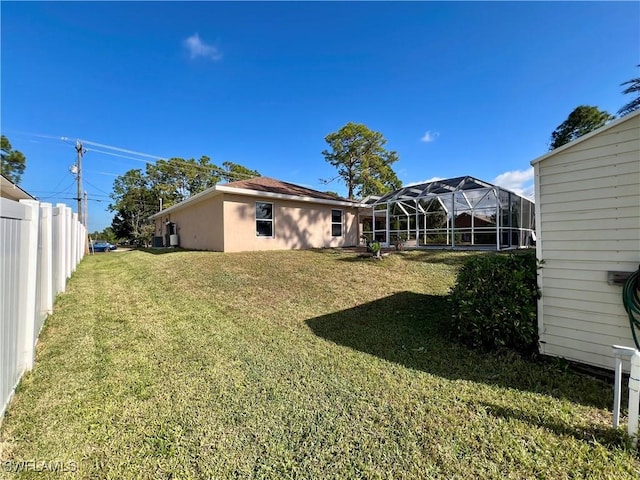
x=631 y=301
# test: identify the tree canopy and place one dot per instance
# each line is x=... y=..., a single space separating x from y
x=137 y=194
x=176 y=179
x=581 y=120
x=13 y=161
x=363 y=164
x=134 y=203
x=233 y=171
x=107 y=235
x=634 y=104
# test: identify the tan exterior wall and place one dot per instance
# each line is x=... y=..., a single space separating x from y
x=296 y=225
x=588 y=223
x=200 y=225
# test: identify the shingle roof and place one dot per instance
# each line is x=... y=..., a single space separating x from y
x=266 y=184
x=261 y=184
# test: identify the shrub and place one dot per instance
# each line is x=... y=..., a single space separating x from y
x=494 y=302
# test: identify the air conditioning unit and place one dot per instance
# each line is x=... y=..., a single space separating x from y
x=174 y=240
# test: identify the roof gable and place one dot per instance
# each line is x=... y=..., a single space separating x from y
x=265 y=187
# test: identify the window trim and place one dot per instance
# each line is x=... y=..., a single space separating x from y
x=264 y=220
x=341 y=223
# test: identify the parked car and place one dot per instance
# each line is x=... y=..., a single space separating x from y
x=101 y=246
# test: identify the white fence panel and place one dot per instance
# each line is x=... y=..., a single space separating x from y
x=59 y=241
x=74 y=241
x=28 y=282
x=40 y=246
x=69 y=242
x=12 y=216
x=44 y=300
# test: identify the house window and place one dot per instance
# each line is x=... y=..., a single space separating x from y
x=336 y=223
x=264 y=219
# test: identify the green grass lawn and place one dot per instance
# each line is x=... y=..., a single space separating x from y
x=306 y=364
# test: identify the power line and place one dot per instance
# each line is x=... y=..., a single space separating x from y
x=191 y=163
x=67 y=140
x=65 y=190
x=208 y=169
x=88 y=199
x=58 y=184
x=51 y=193
x=97 y=188
x=156 y=158
x=146 y=162
x=124 y=150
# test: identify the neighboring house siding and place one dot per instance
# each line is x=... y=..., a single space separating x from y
x=588 y=223
x=295 y=225
x=199 y=225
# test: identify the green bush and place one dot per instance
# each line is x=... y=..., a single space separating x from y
x=494 y=302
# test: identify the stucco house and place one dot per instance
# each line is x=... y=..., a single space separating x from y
x=588 y=227
x=258 y=214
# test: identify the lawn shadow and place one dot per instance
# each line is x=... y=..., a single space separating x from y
x=606 y=436
x=443 y=256
x=358 y=257
x=410 y=329
x=162 y=250
x=440 y=256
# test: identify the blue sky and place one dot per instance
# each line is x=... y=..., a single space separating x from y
x=456 y=88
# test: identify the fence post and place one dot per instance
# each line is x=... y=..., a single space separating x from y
x=46 y=263
x=28 y=283
x=58 y=248
x=74 y=241
x=78 y=241
x=68 y=242
x=79 y=250
x=81 y=237
x=84 y=243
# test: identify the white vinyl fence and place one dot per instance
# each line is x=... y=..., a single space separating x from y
x=40 y=246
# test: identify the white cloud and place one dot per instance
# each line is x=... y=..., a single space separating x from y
x=432 y=179
x=429 y=136
x=197 y=48
x=518 y=181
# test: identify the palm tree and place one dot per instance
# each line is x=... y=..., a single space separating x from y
x=633 y=105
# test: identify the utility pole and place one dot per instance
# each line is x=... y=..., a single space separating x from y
x=85 y=211
x=86 y=223
x=80 y=151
